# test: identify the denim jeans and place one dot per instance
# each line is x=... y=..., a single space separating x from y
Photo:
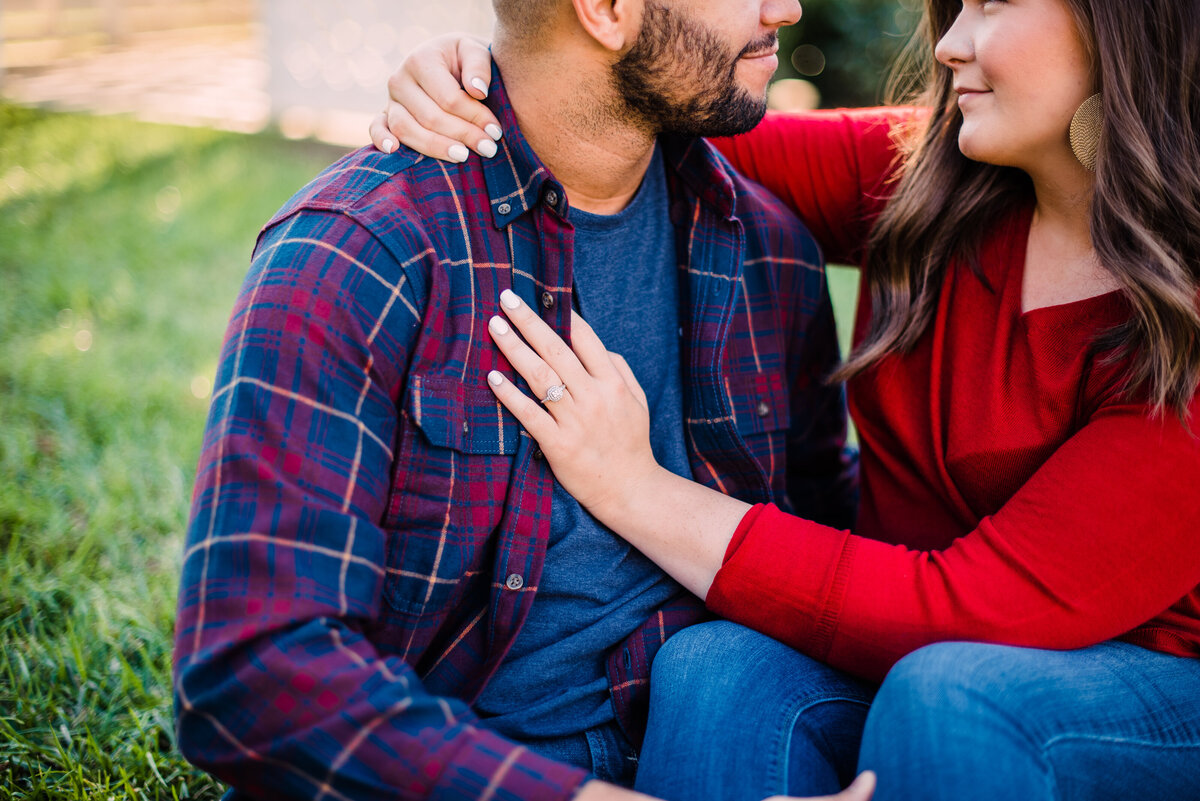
x=604 y=751
x=737 y=716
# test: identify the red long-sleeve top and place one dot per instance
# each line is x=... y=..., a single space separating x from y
x=1009 y=493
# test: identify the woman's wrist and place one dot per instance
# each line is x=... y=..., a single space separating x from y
x=639 y=495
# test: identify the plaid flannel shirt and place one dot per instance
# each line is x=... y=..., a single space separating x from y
x=369 y=525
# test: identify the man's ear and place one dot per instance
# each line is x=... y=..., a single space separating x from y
x=614 y=24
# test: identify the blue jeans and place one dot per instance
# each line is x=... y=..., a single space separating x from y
x=737 y=716
x=603 y=751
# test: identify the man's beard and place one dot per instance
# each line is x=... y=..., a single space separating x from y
x=672 y=53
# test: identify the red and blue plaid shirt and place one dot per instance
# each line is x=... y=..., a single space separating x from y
x=369 y=525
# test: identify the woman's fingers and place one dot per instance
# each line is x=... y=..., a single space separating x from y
x=626 y=373
x=476 y=66
x=418 y=120
x=588 y=347
x=397 y=124
x=540 y=376
x=529 y=413
x=555 y=354
x=383 y=139
x=428 y=109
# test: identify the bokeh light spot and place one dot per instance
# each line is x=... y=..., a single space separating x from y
x=201 y=387
x=808 y=60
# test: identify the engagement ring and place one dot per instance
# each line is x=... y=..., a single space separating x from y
x=555 y=393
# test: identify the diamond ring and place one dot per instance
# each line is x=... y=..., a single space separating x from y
x=554 y=393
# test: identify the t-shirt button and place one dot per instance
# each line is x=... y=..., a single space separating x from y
x=763 y=409
x=515 y=582
x=548 y=300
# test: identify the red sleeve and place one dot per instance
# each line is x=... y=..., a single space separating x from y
x=830 y=167
x=1103 y=538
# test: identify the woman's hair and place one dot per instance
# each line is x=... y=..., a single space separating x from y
x=1145 y=214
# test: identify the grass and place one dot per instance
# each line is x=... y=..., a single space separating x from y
x=122 y=245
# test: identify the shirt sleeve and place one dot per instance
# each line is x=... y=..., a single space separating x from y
x=279 y=689
x=1099 y=541
x=830 y=167
x=822 y=469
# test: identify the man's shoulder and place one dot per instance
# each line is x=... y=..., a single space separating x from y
x=768 y=222
x=374 y=188
x=756 y=204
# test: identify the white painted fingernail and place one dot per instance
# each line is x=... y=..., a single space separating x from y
x=497 y=326
x=458 y=153
x=495 y=379
x=493 y=130
x=480 y=85
x=510 y=300
x=487 y=148
x=388 y=145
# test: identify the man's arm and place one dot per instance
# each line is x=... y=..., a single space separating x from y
x=822 y=478
x=280 y=690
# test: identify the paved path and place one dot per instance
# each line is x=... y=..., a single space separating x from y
x=174 y=78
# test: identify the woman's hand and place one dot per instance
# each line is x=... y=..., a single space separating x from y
x=596 y=435
x=434 y=101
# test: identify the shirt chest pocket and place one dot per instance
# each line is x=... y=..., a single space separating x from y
x=451 y=485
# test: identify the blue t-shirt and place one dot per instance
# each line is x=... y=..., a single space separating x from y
x=595 y=588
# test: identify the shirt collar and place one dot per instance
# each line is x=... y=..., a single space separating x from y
x=703 y=170
x=517 y=180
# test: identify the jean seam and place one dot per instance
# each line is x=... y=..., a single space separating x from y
x=1060 y=739
x=779 y=777
x=598 y=753
x=1099 y=738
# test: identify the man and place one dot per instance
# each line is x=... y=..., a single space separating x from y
x=384 y=591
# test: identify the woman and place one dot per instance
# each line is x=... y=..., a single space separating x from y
x=1023 y=575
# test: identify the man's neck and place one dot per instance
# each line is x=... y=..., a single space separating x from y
x=571 y=125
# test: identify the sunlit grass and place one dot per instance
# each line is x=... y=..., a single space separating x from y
x=122 y=245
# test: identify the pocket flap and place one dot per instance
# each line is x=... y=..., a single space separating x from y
x=760 y=402
x=467 y=419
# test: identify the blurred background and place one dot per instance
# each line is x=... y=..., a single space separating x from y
x=142 y=145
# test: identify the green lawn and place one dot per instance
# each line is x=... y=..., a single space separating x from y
x=122 y=245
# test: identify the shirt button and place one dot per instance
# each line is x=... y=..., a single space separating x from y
x=552 y=198
x=466 y=427
x=515 y=582
x=548 y=300
x=538 y=455
x=504 y=208
x=763 y=409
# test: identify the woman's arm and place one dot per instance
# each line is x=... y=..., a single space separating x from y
x=1100 y=540
x=830 y=167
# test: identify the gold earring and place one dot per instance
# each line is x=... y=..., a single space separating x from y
x=1085 y=131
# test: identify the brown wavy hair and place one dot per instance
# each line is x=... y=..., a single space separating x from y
x=1145 y=210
